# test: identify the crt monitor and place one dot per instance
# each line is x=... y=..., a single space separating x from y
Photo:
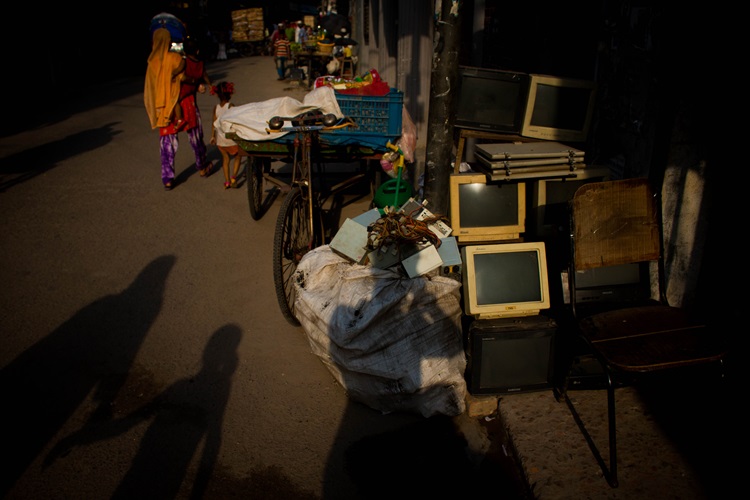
x=491 y=100
x=505 y=280
x=559 y=109
x=511 y=357
x=548 y=215
x=486 y=211
x=602 y=285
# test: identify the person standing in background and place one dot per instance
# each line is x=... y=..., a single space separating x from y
x=277 y=28
x=281 y=52
x=302 y=34
x=289 y=29
x=221 y=53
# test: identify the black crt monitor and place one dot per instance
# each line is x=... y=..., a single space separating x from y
x=491 y=100
x=510 y=355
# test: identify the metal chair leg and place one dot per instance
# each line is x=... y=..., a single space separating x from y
x=610 y=473
x=612 y=476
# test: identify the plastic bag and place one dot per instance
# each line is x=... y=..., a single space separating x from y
x=408 y=140
x=332 y=66
x=387 y=162
x=393 y=343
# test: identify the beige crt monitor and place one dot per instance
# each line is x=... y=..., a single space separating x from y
x=559 y=109
x=485 y=211
x=504 y=280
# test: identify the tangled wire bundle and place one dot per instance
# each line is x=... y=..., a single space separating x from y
x=398 y=229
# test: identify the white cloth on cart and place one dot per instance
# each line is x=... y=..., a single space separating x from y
x=250 y=121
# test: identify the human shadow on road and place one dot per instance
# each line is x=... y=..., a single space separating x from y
x=25 y=165
x=90 y=354
x=182 y=416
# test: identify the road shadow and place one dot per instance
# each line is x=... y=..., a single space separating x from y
x=90 y=355
x=94 y=93
x=25 y=165
x=185 y=419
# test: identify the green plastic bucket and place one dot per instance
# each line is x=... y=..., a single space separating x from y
x=386 y=195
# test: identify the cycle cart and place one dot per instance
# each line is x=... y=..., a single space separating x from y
x=310 y=210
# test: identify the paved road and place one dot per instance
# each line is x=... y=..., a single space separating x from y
x=143 y=352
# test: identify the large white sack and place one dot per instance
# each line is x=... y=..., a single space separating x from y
x=393 y=342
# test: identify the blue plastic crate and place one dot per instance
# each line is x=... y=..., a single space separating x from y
x=378 y=119
x=373 y=114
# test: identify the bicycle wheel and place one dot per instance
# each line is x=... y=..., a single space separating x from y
x=291 y=241
x=254 y=181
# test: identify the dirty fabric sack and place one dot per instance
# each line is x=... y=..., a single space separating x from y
x=394 y=343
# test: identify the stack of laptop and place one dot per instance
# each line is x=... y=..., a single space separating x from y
x=528 y=160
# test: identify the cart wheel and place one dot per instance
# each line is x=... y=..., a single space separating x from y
x=254 y=181
x=292 y=240
x=275 y=123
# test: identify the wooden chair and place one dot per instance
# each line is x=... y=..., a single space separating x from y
x=616 y=223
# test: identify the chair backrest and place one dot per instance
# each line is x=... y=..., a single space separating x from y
x=614 y=225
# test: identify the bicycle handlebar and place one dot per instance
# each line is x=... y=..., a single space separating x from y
x=344 y=122
x=301 y=128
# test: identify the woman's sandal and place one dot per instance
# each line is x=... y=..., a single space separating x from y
x=168 y=186
x=207 y=171
x=233 y=182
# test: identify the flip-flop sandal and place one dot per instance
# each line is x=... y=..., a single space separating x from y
x=207 y=171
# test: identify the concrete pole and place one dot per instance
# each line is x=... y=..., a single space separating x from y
x=444 y=76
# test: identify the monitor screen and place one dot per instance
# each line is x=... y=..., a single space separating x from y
x=491 y=100
x=505 y=279
x=600 y=285
x=620 y=274
x=483 y=205
x=512 y=363
x=483 y=211
x=520 y=268
x=550 y=197
x=559 y=109
x=510 y=355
